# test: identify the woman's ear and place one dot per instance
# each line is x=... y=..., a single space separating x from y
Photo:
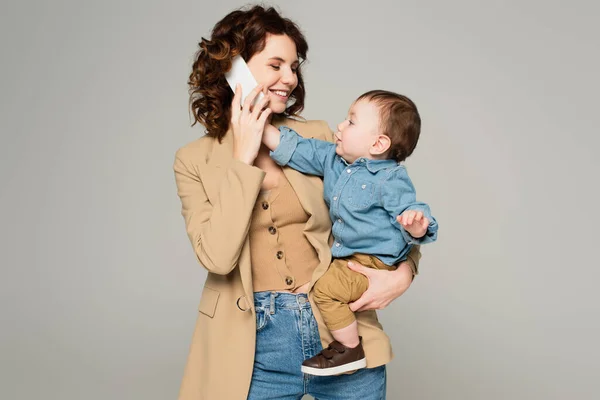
x=381 y=145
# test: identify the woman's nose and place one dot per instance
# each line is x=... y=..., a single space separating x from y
x=288 y=77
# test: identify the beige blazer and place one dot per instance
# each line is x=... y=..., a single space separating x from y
x=217 y=196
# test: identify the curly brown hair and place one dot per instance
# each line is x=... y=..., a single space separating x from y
x=239 y=32
x=399 y=120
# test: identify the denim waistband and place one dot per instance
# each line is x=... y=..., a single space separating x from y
x=278 y=300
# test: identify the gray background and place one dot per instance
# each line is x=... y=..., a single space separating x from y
x=99 y=286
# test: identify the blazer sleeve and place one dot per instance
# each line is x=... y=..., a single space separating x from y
x=413 y=258
x=217 y=230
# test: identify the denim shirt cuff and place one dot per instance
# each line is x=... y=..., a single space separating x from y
x=288 y=141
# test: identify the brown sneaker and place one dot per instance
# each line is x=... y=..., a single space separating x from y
x=336 y=359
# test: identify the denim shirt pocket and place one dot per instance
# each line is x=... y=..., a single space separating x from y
x=361 y=194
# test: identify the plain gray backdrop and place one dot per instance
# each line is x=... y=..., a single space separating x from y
x=99 y=285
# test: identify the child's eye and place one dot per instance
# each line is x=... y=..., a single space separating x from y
x=350 y=121
x=295 y=70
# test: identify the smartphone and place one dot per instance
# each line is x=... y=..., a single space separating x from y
x=240 y=73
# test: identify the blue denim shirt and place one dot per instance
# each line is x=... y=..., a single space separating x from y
x=364 y=198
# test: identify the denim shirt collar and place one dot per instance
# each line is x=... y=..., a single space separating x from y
x=373 y=166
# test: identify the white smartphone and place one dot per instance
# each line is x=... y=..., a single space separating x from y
x=240 y=73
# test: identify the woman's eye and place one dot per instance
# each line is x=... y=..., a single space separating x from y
x=275 y=67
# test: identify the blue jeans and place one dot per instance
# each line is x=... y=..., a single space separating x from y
x=286 y=335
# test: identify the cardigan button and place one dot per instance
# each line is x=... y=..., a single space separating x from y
x=289 y=280
x=272 y=230
x=265 y=205
x=279 y=255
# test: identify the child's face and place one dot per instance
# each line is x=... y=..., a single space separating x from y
x=358 y=132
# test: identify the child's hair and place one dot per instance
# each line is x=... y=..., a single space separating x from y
x=399 y=120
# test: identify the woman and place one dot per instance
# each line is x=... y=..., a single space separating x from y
x=263 y=232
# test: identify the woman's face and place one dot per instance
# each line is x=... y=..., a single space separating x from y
x=275 y=67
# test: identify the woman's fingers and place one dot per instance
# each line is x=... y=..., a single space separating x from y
x=235 y=104
x=250 y=99
x=263 y=117
x=258 y=107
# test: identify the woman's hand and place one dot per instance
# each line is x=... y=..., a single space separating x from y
x=248 y=124
x=384 y=286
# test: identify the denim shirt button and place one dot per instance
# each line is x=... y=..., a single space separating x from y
x=348 y=170
x=334 y=198
x=337 y=245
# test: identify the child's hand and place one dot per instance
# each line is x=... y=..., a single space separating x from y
x=271 y=130
x=271 y=137
x=414 y=222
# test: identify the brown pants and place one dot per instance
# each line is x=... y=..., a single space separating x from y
x=340 y=286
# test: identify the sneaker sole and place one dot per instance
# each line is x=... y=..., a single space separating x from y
x=335 y=370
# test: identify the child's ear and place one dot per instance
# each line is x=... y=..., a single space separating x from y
x=381 y=145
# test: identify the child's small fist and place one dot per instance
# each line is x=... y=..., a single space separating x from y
x=414 y=222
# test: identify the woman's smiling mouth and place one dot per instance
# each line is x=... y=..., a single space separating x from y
x=283 y=94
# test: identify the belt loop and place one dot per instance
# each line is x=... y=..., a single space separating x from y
x=301 y=300
x=272 y=310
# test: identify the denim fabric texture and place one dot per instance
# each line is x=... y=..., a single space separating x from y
x=364 y=198
x=286 y=335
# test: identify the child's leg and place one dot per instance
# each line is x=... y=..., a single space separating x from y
x=338 y=287
x=347 y=336
x=332 y=293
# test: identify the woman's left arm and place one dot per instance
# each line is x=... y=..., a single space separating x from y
x=386 y=286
